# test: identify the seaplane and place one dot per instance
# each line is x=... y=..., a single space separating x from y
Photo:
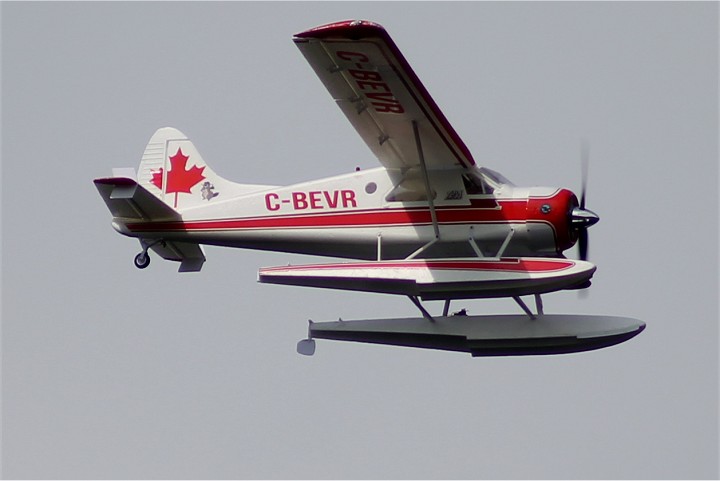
x=429 y=223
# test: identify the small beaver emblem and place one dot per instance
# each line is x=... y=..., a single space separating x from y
x=207 y=191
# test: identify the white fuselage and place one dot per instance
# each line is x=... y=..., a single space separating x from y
x=351 y=216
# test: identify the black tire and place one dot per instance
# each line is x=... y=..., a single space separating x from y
x=142 y=260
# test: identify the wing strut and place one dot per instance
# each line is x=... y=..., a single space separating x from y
x=428 y=192
x=426 y=178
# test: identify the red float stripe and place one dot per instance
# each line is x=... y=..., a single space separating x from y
x=514 y=265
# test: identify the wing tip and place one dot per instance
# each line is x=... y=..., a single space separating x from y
x=345 y=29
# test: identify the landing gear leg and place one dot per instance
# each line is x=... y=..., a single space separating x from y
x=142 y=260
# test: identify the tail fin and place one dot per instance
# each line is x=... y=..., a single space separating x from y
x=173 y=170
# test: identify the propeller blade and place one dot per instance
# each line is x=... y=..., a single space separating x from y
x=584 y=165
x=583 y=243
x=585 y=217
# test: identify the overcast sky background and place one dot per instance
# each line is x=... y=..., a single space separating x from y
x=113 y=372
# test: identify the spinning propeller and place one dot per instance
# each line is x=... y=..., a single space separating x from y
x=580 y=217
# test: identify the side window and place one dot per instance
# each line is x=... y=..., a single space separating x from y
x=476 y=185
x=402 y=194
x=410 y=189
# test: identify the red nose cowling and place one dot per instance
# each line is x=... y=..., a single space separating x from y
x=556 y=211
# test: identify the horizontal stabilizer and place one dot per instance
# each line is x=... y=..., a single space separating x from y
x=126 y=199
x=129 y=201
x=190 y=256
x=498 y=335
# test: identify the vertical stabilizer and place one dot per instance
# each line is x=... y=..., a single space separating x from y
x=173 y=170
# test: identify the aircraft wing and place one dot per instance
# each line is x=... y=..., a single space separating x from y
x=378 y=91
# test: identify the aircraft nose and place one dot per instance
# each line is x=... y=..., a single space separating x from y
x=581 y=217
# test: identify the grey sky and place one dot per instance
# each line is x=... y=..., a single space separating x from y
x=112 y=372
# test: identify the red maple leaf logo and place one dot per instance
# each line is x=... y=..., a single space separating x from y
x=178 y=179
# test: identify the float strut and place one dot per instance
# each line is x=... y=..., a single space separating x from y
x=539 y=305
x=425 y=313
x=446 y=307
x=524 y=307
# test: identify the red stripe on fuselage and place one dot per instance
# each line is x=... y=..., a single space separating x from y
x=495 y=212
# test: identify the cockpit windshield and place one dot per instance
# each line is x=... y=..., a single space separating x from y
x=496 y=177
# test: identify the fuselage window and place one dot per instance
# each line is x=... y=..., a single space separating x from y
x=476 y=185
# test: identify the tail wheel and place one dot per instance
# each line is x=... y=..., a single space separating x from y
x=142 y=260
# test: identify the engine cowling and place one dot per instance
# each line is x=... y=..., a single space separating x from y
x=553 y=210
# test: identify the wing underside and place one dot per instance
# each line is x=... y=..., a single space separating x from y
x=379 y=93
